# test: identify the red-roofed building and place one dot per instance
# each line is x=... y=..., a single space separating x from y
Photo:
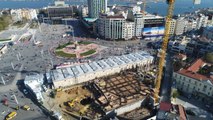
x=170 y=111
x=199 y=63
x=191 y=82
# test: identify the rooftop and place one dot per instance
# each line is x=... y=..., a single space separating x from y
x=199 y=63
x=77 y=70
x=115 y=16
x=194 y=75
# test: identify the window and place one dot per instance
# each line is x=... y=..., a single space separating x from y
x=204 y=88
x=208 y=93
x=180 y=77
x=189 y=80
x=210 y=88
x=195 y=83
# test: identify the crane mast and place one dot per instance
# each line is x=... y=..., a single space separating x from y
x=144 y=7
x=163 y=49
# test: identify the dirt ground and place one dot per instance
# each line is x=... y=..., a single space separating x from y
x=74 y=96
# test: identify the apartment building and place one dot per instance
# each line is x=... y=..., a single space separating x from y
x=208 y=32
x=129 y=30
x=19 y=14
x=192 y=82
x=112 y=27
x=172 y=27
x=96 y=7
x=180 y=26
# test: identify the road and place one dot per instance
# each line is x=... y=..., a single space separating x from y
x=167 y=80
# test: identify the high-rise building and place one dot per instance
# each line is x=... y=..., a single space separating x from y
x=180 y=26
x=111 y=27
x=202 y=21
x=96 y=6
x=139 y=24
x=172 y=27
x=129 y=30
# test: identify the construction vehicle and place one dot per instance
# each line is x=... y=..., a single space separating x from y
x=84 y=109
x=58 y=89
x=163 y=50
x=71 y=103
x=11 y=115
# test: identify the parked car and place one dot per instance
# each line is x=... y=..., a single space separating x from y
x=26 y=107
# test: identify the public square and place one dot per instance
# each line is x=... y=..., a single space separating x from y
x=23 y=58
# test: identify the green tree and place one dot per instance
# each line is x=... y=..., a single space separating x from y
x=175 y=94
x=209 y=57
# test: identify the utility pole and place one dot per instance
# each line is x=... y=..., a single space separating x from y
x=42 y=52
x=73 y=34
x=15 y=98
x=66 y=23
x=19 y=54
x=17 y=57
x=51 y=62
x=2 y=80
x=39 y=25
x=12 y=65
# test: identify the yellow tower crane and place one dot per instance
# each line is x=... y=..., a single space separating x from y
x=163 y=49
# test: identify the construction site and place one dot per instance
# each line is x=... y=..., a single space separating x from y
x=107 y=96
x=130 y=94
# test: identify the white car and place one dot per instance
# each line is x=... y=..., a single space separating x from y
x=25 y=91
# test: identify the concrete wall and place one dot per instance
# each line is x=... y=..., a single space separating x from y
x=126 y=108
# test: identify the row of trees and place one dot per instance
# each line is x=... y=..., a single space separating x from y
x=5 y=20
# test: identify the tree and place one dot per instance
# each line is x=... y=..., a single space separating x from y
x=175 y=93
x=209 y=57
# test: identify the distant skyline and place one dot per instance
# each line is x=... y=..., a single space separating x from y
x=181 y=6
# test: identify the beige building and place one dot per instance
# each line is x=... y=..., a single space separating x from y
x=129 y=30
x=65 y=77
x=191 y=82
x=180 y=26
x=111 y=27
x=172 y=26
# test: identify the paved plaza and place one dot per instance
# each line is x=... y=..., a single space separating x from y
x=23 y=58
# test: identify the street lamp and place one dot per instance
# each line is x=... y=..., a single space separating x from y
x=12 y=65
x=15 y=98
x=2 y=80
